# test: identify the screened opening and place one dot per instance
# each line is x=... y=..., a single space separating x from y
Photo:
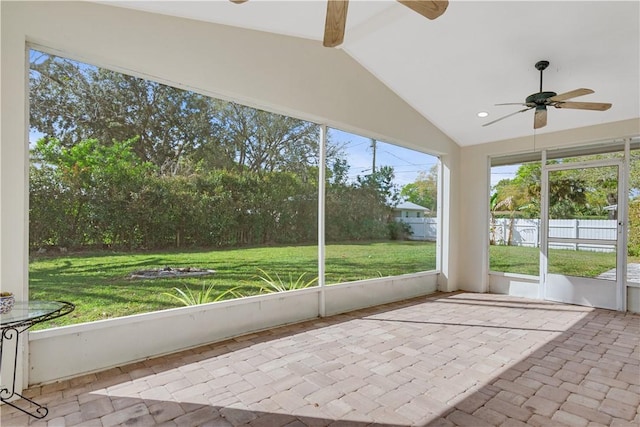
x=514 y=229
x=582 y=205
x=145 y=197
x=381 y=209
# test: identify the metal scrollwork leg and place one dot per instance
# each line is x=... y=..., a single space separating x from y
x=40 y=411
x=32 y=312
x=11 y=335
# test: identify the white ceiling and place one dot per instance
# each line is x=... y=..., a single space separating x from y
x=475 y=55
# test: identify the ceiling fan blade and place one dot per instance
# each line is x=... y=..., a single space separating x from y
x=431 y=9
x=540 y=118
x=428 y=8
x=571 y=94
x=596 y=106
x=508 y=115
x=335 y=22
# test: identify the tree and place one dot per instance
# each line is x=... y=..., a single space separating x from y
x=510 y=199
x=338 y=173
x=92 y=186
x=572 y=193
x=500 y=206
x=424 y=191
x=178 y=131
x=214 y=173
x=255 y=140
x=381 y=183
x=74 y=102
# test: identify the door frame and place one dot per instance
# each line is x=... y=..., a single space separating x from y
x=620 y=242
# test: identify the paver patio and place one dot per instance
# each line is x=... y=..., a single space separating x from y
x=443 y=360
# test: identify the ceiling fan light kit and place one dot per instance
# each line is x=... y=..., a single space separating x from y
x=541 y=100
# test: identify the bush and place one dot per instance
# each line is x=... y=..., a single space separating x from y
x=95 y=196
x=399 y=230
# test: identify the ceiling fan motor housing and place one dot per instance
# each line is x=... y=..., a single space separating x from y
x=542 y=65
x=539 y=98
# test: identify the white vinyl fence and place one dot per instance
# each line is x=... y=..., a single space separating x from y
x=526 y=232
x=421 y=228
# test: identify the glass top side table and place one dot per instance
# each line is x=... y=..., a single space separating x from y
x=23 y=316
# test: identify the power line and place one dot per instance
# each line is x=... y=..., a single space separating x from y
x=400 y=158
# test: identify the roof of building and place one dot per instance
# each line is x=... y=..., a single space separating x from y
x=409 y=206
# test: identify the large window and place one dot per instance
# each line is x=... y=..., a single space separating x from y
x=582 y=204
x=381 y=209
x=145 y=197
x=514 y=229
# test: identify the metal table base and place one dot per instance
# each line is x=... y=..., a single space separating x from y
x=22 y=317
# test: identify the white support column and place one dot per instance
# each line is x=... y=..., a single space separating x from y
x=439 y=223
x=623 y=227
x=321 y=203
x=544 y=225
x=14 y=180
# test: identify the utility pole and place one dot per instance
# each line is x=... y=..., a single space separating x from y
x=373 y=147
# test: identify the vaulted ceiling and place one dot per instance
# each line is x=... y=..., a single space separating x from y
x=477 y=54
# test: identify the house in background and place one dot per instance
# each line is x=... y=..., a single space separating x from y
x=410 y=210
x=423 y=226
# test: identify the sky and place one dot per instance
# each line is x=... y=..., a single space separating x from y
x=499 y=173
x=406 y=163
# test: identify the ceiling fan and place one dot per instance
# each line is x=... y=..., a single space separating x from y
x=541 y=100
x=336 y=18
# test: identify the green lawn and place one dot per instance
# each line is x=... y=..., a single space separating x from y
x=524 y=260
x=100 y=286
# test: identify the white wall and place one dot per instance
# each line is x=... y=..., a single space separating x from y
x=518 y=285
x=449 y=234
x=368 y=293
x=13 y=169
x=281 y=74
x=77 y=349
x=633 y=298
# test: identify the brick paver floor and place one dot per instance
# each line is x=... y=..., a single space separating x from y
x=443 y=360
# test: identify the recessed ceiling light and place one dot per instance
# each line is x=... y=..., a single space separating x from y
x=483 y=114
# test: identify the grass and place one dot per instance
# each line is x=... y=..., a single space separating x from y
x=99 y=283
x=524 y=260
x=514 y=259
